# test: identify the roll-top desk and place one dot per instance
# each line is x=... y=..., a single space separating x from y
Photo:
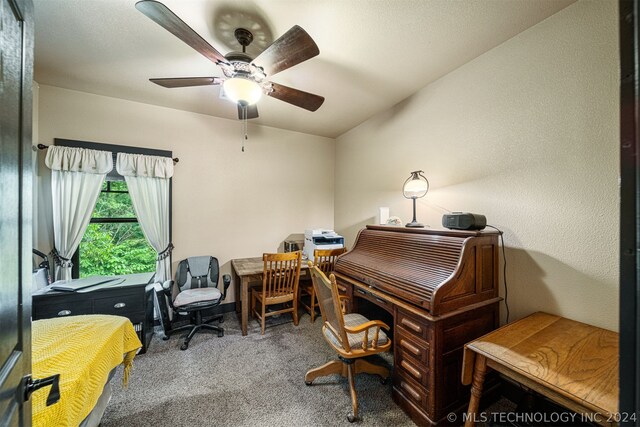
x=440 y=288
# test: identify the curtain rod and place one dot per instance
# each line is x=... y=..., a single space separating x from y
x=44 y=147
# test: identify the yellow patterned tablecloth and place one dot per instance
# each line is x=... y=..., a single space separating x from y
x=83 y=350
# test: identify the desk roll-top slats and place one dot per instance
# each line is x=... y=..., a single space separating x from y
x=440 y=287
x=414 y=264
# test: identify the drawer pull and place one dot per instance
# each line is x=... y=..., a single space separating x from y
x=410 y=390
x=410 y=347
x=413 y=326
x=64 y=312
x=413 y=371
x=360 y=291
x=381 y=301
x=119 y=305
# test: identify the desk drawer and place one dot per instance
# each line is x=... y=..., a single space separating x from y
x=414 y=348
x=413 y=325
x=412 y=368
x=411 y=391
x=128 y=305
x=61 y=308
x=361 y=293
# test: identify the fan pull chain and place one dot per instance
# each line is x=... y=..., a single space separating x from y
x=243 y=128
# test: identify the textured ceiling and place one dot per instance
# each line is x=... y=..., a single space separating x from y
x=373 y=53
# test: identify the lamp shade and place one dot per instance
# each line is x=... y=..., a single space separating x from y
x=242 y=90
x=415 y=186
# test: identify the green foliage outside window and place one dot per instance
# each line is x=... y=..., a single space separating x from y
x=115 y=248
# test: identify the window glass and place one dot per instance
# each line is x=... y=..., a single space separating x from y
x=114 y=201
x=114 y=243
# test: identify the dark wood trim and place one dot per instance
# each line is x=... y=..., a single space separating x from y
x=629 y=200
x=112 y=220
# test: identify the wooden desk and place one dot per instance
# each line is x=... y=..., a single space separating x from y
x=571 y=363
x=247 y=272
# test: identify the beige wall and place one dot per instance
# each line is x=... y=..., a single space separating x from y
x=226 y=203
x=526 y=134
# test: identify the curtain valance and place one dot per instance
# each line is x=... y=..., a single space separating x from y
x=74 y=159
x=144 y=166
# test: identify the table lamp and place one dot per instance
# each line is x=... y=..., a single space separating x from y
x=414 y=187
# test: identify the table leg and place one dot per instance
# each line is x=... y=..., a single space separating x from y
x=236 y=290
x=479 y=371
x=245 y=304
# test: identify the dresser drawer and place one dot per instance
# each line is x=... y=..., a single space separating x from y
x=412 y=325
x=411 y=390
x=412 y=368
x=128 y=305
x=61 y=308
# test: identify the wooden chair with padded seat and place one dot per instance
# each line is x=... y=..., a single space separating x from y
x=280 y=277
x=325 y=259
x=352 y=336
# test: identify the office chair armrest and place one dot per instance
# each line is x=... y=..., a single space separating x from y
x=375 y=324
x=226 y=280
x=166 y=288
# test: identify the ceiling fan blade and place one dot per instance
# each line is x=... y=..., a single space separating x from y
x=187 y=81
x=297 y=97
x=252 y=112
x=161 y=15
x=293 y=47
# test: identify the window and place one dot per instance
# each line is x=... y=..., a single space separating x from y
x=114 y=242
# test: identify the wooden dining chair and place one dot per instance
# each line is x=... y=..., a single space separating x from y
x=280 y=277
x=325 y=260
x=352 y=336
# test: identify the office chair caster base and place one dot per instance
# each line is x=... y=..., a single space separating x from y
x=220 y=334
x=165 y=338
x=184 y=346
x=351 y=418
x=308 y=382
x=221 y=320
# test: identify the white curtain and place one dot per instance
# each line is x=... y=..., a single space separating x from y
x=77 y=175
x=147 y=179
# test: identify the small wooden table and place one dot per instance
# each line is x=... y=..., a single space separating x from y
x=247 y=272
x=571 y=363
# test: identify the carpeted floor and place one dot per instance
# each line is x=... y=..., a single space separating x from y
x=246 y=381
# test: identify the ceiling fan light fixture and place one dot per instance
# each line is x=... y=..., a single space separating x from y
x=242 y=90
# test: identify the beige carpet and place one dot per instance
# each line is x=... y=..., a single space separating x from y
x=246 y=381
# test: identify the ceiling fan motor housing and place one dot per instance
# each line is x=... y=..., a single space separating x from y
x=244 y=37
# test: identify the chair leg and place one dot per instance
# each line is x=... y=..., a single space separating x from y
x=295 y=311
x=312 y=304
x=262 y=323
x=253 y=305
x=196 y=328
x=354 y=398
x=218 y=317
x=362 y=365
x=330 y=368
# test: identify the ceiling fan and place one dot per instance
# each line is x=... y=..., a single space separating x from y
x=245 y=77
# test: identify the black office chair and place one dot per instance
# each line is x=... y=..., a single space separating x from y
x=195 y=290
